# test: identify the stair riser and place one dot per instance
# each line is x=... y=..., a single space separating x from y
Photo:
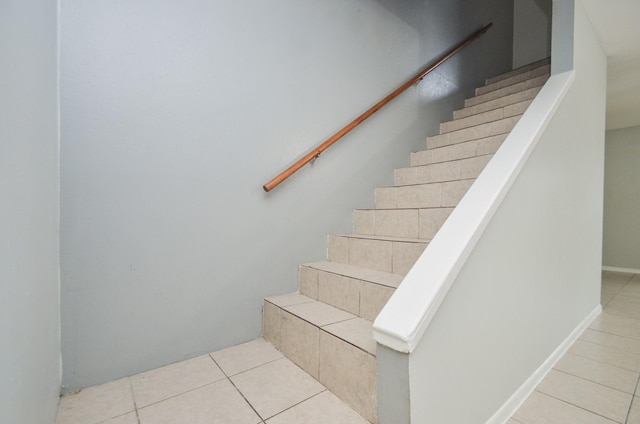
x=441 y=172
x=411 y=223
x=422 y=196
x=396 y=257
x=521 y=86
x=348 y=371
x=503 y=126
x=485 y=117
x=524 y=76
x=359 y=297
x=505 y=101
x=466 y=150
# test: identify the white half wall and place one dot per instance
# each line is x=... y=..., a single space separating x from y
x=174 y=114
x=621 y=247
x=29 y=242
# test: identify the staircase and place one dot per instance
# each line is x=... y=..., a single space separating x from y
x=326 y=328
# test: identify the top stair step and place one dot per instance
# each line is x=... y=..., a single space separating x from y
x=523 y=76
x=519 y=70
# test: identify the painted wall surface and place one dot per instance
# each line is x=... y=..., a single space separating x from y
x=621 y=240
x=531 y=31
x=534 y=275
x=174 y=114
x=29 y=277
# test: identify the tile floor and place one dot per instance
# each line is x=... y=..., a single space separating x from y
x=595 y=382
x=250 y=383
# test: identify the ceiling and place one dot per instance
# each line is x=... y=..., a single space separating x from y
x=617 y=25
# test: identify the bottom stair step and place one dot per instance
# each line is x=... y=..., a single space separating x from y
x=335 y=347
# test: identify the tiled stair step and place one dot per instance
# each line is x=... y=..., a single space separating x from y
x=442 y=171
x=502 y=126
x=395 y=255
x=412 y=223
x=485 y=117
x=468 y=149
x=501 y=102
x=422 y=196
x=505 y=91
x=516 y=71
x=523 y=76
x=334 y=346
x=360 y=291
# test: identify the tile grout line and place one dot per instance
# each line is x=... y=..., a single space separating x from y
x=633 y=397
x=577 y=406
x=133 y=397
x=237 y=389
x=595 y=382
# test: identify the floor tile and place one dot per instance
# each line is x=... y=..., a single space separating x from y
x=96 y=404
x=319 y=313
x=606 y=354
x=276 y=386
x=598 y=372
x=618 y=307
x=159 y=384
x=543 y=409
x=323 y=408
x=588 y=395
x=611 y=340
x=219 y=402
x=634 y=412
x=356 y=331
x=617 y=324
x=288 y=299
x=243 y=357
x=130 y=418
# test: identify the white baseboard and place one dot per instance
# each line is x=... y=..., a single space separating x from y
x=619 y=269
x=517 y=399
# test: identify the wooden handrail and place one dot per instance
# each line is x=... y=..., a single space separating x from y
x=337 y=136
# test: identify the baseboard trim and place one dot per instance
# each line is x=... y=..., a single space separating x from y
x=620 y=269
x=517 y=399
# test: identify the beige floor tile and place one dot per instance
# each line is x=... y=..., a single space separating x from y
x=276 y=386
x=356 y=331
x=635 y=300
x=542 y=409
x=338 y=249
x=339 y=291
x=96 y=404
x=617 y=324
x=599 y=372
x=611 y=340
x=130 y=418
x=350 y=373
x=405 y=256
x=324 y=408
x=373 y=297
x=606 y=354
x=319 y=313
x=585 y=394
x=162 y=383
x=271 y=323
x=243 y=357
x=398 y=223
x=634 y=412
x=308 y=280
x=288 y=299
x=619 y=307
x=299 y=341
x=219 y=402
x=373 y=254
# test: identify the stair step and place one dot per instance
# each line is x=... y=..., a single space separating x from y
x=335 y=347
x=360 y=292
x=519 y=70
x=442 y=171
x=511 y=89
x=381 y=253
x=468 y=149
x=421 y=196
x=414 y=223
x=485 y=117
x=528 y=94
x=523 y=76
x=502 y=126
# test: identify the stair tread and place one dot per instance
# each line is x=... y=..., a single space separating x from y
x=514 y=79
x=364 y=274
x=385 y=238
x=486 y=117
x=348 y=327
x=519 y=70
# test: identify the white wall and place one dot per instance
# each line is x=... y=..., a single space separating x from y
x=174 y=114
x=29 y=277
x=621 y=245
x=534 y=275
x=531 y=31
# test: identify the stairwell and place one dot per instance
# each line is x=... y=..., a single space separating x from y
x=326 y=327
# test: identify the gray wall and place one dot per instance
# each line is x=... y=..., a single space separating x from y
x=29 y=277
x=622 y=199
x=173 y=116
x=531 y=31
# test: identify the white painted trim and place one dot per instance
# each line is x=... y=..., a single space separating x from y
x=619 y=269
x=517 y=399
x=406 y=316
